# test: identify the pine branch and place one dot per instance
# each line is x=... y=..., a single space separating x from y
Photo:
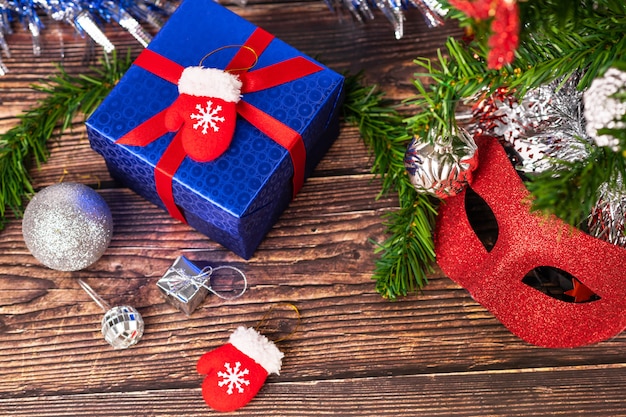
x=571 y=189
x=443 y=86
x=380 y=126
x=555 y=48
x=560 y=38
x=66 y=96
x=407 y=255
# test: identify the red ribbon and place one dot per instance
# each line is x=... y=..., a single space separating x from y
x=252 y=81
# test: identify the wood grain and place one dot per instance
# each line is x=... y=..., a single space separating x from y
x=438 y=353
x=535 y=392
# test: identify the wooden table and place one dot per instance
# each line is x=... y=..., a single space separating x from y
x=355 y=354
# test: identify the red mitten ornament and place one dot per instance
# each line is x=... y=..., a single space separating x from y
x=205 y=112
x=236 y=371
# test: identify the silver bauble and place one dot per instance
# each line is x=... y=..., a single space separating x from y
x=122 y=327
x=67 y=226
x=442 y=166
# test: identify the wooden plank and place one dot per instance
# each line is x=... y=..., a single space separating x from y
x=571 y=391
x=317 y=257
x=437 y=353
x=347 y=329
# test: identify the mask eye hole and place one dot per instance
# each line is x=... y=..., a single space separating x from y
x=559 y=284
x=481 y=219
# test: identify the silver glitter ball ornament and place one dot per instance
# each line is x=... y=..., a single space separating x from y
x=122 y=327
x=442 y=166
x=67 y=226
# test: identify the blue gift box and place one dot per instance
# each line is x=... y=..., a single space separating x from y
x=236 y=198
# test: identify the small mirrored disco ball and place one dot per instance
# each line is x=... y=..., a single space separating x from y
x=122 y=327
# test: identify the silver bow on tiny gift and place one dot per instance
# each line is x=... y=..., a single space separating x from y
x=185 y=285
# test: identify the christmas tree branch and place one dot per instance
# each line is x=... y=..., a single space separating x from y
x=407 y=255
x=562 y=38
x=552 y=48
x=66 y=96
x=450 y=79
x=570 y=189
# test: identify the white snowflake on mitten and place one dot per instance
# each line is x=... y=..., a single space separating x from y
x=233 y=378
x=207 y=117
x=204 y=114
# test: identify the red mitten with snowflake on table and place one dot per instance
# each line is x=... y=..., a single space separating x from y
x=236 y=371
x=205 y=112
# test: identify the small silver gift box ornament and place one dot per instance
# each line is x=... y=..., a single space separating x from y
x=185 y=285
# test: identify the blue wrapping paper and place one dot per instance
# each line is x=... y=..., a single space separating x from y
x=237 y=198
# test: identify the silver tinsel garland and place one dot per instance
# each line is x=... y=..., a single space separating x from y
x=363 y=10
x=558 y=122
x=546 y=124
x=88 y=16
x=603 y=109
x=85 y=16
x=608 y=216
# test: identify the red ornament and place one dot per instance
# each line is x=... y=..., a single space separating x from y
x=236 y=371
x=526 y=241
x=505 y=37
x=505 y=27
x=478 y=9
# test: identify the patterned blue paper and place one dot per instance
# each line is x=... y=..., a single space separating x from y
x=235 y=199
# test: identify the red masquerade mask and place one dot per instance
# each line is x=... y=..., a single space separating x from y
x=527 y=241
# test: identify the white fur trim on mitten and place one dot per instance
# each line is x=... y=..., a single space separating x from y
x=210 y=82
x=258 y=347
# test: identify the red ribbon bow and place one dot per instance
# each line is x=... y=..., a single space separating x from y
x=252 y=81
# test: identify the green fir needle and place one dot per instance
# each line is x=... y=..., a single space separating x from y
x=66 y=96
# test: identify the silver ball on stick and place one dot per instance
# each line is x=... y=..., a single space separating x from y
x=122 y=326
